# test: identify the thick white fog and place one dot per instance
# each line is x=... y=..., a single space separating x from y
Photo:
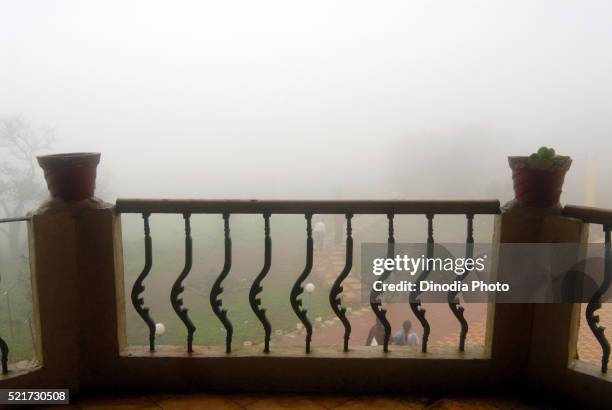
x=320 y=99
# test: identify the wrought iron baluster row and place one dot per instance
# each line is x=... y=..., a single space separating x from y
x=453 y=301
x=336 y=289
x=178 y=288
x=415 y=302
x=595 y=302
x=257 y=287
x=375 y=296
x=298 y=289
x=215 y=293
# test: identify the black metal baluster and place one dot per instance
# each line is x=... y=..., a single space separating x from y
x=415 y=303
x=4 y=349
x=138 y=288
x=334 y=294
x=298 y=289
x=595 y=303
x=178 y=288
x=217 y=288
x=453 y=302
x=375 y=296
x=256 y=288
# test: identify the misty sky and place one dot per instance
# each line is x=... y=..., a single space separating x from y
x=314 y=98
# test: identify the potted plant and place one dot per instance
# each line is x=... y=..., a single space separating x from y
x=71 y=176
x=538 y=178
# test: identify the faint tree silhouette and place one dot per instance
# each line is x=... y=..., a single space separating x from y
x=463 y=162
x=20 y=186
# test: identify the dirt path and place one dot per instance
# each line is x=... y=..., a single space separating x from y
x=330 y=332
x=444 y=326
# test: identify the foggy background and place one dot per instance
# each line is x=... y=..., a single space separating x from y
x=318 y=99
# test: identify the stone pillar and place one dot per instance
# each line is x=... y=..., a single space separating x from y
x=531 y=342
x=76 y=261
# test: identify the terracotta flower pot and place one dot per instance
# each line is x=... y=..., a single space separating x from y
x=538 y=183
x=72 y=176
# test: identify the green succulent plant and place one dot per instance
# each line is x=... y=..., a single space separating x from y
x=546 y=153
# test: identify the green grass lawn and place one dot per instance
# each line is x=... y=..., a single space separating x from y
x=16 y=304
x=288 y=260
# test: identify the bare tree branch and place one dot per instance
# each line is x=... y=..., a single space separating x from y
x=20 y=185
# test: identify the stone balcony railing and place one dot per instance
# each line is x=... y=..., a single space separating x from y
x=80 y=309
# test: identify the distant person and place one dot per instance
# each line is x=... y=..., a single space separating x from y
x=319 y=234
x=376 y=336
x=405 y=337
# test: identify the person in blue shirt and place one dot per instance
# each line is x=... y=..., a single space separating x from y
x=405 y=337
